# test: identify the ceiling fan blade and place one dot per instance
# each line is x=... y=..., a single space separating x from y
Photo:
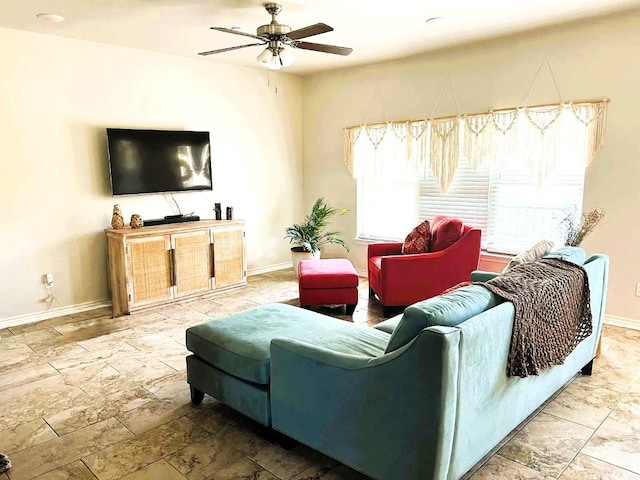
x=236 y=32
x=220 y=50
x=320 y=47
x=309 y=31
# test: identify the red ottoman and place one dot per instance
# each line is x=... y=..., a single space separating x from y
x=328 y=281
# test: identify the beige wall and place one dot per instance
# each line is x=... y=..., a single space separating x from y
x=57 y=96
x=592 y=59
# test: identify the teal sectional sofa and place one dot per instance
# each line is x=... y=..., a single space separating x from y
x=423 y=396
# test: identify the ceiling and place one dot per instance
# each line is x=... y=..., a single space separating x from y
x=375 y=29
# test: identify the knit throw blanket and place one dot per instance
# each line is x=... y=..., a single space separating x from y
x=552 y=312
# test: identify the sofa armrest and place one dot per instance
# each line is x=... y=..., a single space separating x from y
x=364 y=411
x=482 y=275
x=384 y=248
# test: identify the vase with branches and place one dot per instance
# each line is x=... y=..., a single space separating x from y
x=577 y=228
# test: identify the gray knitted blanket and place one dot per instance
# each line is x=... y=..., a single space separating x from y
x=552 y=312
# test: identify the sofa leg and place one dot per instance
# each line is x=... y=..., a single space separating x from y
x=371 y=292
x=196 y=395
x=588 y=368
x=287 y=442
x=273 y=436
x=349 y=309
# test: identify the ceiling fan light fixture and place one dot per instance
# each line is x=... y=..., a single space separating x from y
x=265 y=57
x=269 y=59
x=276 y=58
x=286 y=57
x=274 y=63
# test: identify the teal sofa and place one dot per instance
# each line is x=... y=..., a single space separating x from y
x=423 y=396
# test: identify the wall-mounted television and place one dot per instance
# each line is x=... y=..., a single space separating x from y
x=158 y=161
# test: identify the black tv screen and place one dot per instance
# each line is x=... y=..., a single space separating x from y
x=158 y=161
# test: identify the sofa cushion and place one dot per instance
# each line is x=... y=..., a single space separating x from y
x=445 y=231
x=570 y=254
x=239 y=344
x=536 y=252
x=418 y=240
x=389 y=325
x=458 y=285
x=448 y=309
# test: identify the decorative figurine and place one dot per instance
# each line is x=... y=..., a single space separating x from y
x=229 y=213
x=116 y=219
x=136 y=221
x=218 y=210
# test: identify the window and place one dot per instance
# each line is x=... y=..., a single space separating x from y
x=515 y=178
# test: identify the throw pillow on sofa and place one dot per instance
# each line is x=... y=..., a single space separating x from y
x=536 y=252
x=448 y=309
x=445 y=231
x=419 y=240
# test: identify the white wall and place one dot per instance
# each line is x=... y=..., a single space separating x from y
x=57 y=96
x=591 y=59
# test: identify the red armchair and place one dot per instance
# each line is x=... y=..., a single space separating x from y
x=399 y=279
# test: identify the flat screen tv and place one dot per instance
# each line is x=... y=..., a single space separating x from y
x=158 y=161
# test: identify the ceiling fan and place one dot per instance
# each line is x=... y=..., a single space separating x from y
x=277 y=37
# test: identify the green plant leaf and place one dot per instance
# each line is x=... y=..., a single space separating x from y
x=310 y=234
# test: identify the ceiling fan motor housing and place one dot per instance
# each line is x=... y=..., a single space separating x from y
x=274 y=29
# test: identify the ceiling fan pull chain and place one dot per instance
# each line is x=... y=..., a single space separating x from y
x=275 y=80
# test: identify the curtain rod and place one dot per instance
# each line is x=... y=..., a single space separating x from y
x=542 y=105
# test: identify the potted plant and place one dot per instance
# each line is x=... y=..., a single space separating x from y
x=309 y=236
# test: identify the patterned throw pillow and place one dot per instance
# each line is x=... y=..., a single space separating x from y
x=418 y=240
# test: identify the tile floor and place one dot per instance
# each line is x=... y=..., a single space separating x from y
x=87 y=396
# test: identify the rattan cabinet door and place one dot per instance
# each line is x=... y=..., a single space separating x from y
x=192 y=262
x=228 y=257
x=149 y=269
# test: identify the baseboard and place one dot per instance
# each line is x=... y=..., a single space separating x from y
x=622 y=322
x=51 y=313
x=270 y=268
x=82 y=307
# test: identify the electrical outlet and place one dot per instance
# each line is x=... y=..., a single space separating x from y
x=48 y=278
x=637 y=289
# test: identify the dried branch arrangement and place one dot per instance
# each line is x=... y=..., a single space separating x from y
x=575 y=231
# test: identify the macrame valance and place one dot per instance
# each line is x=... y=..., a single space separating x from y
x=533 y=135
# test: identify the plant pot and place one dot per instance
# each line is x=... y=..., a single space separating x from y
x=299 y=253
